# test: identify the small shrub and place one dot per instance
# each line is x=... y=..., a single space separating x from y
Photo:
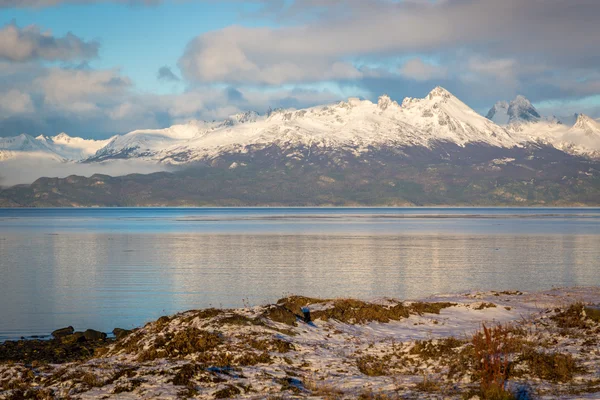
x=192 y=340
x=428 y=386
x=371 y=366
x=429 y=308
x=571 y=318
x=555 y=367
x=228 y=392
x=92 y=380
x=484 y=305
x=185 y=373
x=251 y=358
x=428 y=349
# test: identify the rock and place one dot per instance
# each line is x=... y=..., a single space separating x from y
x=59 y=333
x=120 y=333
x=593 y=312
x=76 y=337
x=93 y=335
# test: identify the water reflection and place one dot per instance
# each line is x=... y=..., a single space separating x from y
x=104 y=280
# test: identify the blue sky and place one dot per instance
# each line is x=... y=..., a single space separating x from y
x=136 y=39
x=91 y=67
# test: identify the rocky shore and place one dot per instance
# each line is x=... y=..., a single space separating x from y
x=495 y=345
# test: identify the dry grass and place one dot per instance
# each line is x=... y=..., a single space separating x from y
x=325 y=391
x=421 y=308
x=436 y=349
x=185 y=342
x=554 y=367
x=351 y=311
x=484 y=305
x=573 y=317
x=92 y=380
x=428 y=386
x=372 y=366
x=186 y=373
x=227 y=392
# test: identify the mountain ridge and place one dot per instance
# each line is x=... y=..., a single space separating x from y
x=434 y=150
x=354 y=123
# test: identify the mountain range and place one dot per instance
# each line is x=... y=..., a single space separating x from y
x=434 y=150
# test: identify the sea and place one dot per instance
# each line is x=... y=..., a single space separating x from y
x=102 y=268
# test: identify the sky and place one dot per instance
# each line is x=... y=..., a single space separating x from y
x=95 y=68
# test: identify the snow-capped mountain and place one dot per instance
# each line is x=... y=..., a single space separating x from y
x=583 y=138
x=148 y=142
x=587 y=125
x=499 y=113
x=518 y=110
x=61 y=147
x=575 y=135
x=354 y=126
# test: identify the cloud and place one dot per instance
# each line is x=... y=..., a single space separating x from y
x=420 y=71
x=311 y=52
x=16 y=102
x=99 y=103
x=80 y=91
x=30 y=43
x=253 y=55
x=557 y=33
x=165 y=74
x=26 y=169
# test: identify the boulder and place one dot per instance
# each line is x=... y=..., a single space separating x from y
x=92 y=335
x=62 y=332
x=76 y=337
x=120 y=333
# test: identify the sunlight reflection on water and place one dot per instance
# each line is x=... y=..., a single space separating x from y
x=103 y=270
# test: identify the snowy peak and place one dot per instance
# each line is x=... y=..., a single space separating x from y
x=63 y=138
x=439 y=92
x=499 y=113
x=384 y=102
x=586 y=125
x=241 y=118
x=519 y=110
x=23 y=142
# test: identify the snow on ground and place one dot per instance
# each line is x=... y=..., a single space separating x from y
x=378 y=349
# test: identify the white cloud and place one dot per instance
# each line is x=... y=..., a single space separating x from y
x=16 y=102
x=420 y=71
x=26 y=169
x=80 y=90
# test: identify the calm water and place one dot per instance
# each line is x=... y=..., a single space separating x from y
x=106 y=268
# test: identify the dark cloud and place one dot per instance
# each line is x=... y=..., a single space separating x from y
x=234 y=95
x=165 y=74
x=30 y=43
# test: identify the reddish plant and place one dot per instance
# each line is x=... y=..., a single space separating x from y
x=492 y=347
